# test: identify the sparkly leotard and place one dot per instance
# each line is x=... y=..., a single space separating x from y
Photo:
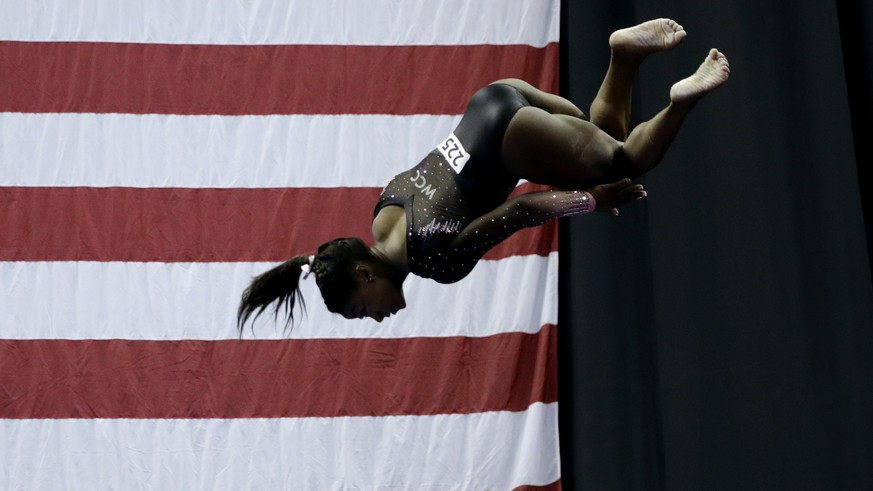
x=457 y=182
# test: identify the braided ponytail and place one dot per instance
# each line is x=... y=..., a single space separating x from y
x=281 y=283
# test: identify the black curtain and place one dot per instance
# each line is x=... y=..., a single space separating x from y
x=719 y=335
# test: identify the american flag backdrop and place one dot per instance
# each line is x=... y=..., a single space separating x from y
x=155 y=155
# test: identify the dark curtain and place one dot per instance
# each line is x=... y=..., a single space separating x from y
x=719 y=335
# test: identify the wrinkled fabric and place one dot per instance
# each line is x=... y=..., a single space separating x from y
x=155 y=156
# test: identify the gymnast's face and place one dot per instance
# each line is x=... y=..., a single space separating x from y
x=376 y=297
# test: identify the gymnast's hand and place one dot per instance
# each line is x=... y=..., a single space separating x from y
x=610 y=196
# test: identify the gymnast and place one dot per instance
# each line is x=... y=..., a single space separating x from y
x=437 y=219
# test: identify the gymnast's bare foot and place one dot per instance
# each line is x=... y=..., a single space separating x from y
x=648 y=37
x=713 y=72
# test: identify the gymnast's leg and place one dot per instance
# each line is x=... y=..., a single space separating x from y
x=611 y=108
x=565 y=151
x=648 y=142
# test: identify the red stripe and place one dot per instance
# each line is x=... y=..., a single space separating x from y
x=197 y=225
x=271 y=379
x=555 y=486
x=266 y=79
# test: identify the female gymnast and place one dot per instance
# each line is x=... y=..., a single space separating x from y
x=438 y=218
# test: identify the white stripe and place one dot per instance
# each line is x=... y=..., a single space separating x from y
x=169 y=301
x=495 y=450
x=374 y=22
x=100 y=150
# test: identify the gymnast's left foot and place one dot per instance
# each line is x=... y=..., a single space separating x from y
x=713 y=72
x=648 y=37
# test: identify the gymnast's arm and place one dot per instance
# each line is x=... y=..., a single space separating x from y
x=537 y=208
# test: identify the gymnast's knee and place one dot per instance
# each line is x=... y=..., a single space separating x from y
x=600 y=156
x=617 y=167
x=606 y=164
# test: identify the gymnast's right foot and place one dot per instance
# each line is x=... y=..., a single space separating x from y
x=713 y=72
x=648 y=37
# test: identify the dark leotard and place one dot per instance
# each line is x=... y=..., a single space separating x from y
x=457 y=182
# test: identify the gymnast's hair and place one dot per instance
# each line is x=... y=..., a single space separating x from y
x=334 y=269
